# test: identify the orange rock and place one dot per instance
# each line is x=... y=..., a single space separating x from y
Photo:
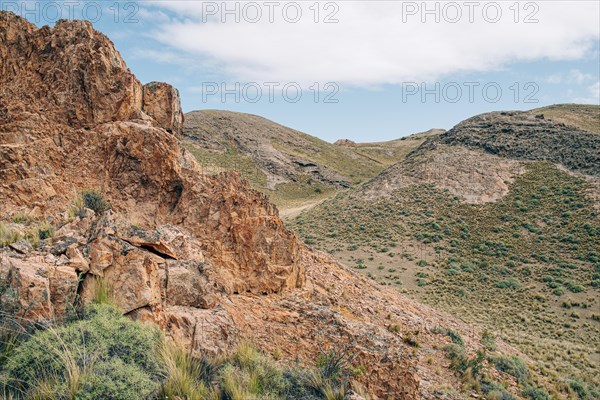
x=30 y=281
x=161 y=102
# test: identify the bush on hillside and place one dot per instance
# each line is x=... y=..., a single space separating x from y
x=512 y=365
x=103 y=355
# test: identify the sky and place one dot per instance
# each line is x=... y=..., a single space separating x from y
x=362 y=70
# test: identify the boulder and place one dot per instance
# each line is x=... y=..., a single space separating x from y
x=63 y=283
x=188 y=285
x=161 y=102
x=131 y=274
x=168 y=241
x=44 y=291
x=30 y=282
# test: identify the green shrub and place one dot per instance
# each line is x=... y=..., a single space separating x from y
x=488 y=341
x=76 y=355
x=512 y=365
x=453 y=335
x=460 y=362
x=94 y=200
x=117 y=380
x=510 y=283
x=577 y=387
x=533 y=393
x=495 y=391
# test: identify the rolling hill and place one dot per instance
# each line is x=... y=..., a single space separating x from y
x=293 y=168
x=495 y=221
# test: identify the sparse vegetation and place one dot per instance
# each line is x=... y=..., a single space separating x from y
x=507 y=265
x=39 y=232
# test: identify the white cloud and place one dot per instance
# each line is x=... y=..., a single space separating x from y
x=590 y=95
x=578 y=77
x=594 y=91
x=554 y=79
x=372 y=45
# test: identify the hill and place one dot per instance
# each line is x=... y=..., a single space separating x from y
x=495 y=221
x=282 y=154
x=529 y=136
x=291 y=167
x=392 y=151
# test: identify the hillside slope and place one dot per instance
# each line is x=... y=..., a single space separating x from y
x=392 y=151
x=495 y=221
x=294 y=169
x=527 y=136
x=282 y=154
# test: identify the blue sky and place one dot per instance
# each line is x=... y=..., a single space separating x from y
x=366 y=71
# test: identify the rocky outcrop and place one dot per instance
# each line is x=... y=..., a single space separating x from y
x=43 y=287
x=345 y=143
x=161 y=102
x=83 y=82
x=191 y=299
x=109 y=143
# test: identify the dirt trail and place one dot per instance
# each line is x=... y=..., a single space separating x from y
x=293 y=212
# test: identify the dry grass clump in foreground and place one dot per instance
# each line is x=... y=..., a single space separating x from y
x=99 y=353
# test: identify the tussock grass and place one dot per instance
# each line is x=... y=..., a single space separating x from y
x=187 y=377
x=40 y=231
x=102 y=291
x=8 y=235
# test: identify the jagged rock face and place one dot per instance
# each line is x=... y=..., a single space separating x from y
x=50 y=72
x=73 y=119
x=161 y=102
x=72 y=73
